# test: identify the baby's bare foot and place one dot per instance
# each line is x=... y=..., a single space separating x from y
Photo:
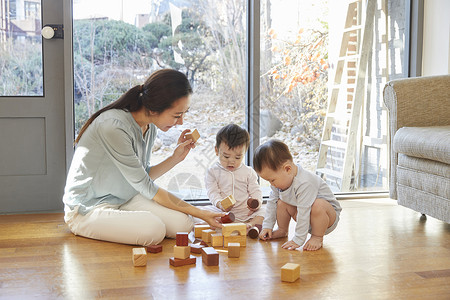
x=279 y=233
x=314 y=243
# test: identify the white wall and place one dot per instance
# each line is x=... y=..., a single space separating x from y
x=436 y=38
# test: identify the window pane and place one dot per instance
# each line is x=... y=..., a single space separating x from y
x=299 y=52
x=21 y=48
x=117 y=46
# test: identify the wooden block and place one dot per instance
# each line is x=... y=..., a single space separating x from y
x=194 y=135
x=241 y=239
x=196 y=248
x=217 y=240
x=253 y=203
x=290 y=272
x=206 y=235
x=139 y=257
x=228 y=202
x=182 y=239
x=181 y=252
x=254 y=231
x=176 y=262
x=234 y=249
x=228 y=218
x=154 y=248
x=201 y=242
x=210 y=256
x=228 y=229
x=198 y=230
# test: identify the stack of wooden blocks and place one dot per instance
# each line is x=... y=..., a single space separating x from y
x=182 y=251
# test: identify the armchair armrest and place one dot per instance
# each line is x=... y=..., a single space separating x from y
x=415 y=102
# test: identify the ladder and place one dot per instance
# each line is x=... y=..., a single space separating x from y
x=336 y=161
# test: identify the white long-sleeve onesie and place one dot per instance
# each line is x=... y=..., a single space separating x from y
x=304 y=190
x=242 y=183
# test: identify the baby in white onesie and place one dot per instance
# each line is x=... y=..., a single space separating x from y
x=229 y=176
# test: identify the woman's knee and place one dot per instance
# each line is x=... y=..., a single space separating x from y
x=180 y=223
x=153 y=234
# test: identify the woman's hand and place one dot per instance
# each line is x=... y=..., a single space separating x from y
x=211 y=218
x=183 y=147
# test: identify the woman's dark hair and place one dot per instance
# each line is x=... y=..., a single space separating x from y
x=272 y=154
x=233 y=136
x=157 y=94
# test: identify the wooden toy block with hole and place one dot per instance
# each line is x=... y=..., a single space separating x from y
x=234 y=249
x=241 y=239
x=194 y=135
x=206 y=235
x=196 y=248
x=176 y=262
x=210 y=256
x=139 y=257
x=181 y=252
x=182 y=239
x=217 y=240
x=198 y=230
x=228 y=202
x=154 y=248
x=290 y=272
x=228 y=229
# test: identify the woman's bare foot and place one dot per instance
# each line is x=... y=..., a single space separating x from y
x=314 y=243
x=279 y=233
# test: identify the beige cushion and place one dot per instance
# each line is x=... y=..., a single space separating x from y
x=424 y=142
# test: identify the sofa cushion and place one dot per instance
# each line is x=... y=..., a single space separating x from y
x=425 y=142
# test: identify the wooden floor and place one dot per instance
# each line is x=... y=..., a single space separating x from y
x=378 y=251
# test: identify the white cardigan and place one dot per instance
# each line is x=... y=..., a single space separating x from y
x=242 y=183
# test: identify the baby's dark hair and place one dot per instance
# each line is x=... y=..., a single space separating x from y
x=272 y=154
x=233 y=136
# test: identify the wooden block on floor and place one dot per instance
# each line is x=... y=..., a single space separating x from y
x=139 y=257
x=196 y=248
x=154 y=248
x=290 y=272
x=206 y=235
x=182 y=239
x=216 y=240
x=181 y=252
x=198 y=230
x=241 y=239
x=234 y=249
x=228 y=229
x=228 y=202
x=194 y=135
x=176 y=262
x=210 y=256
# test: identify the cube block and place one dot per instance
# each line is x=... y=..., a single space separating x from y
x=290 y=272
x=210 y=256
x=234 y=249
x=182 y=239
x=198 y=230
x=194 y=135
x=228 y=202
x=139 y=257
x=206 y=235
x=181 y=252
x=217 y=240
x=154 y=248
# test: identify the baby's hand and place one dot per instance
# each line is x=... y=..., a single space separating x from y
x=290 y=245
x=265 y=234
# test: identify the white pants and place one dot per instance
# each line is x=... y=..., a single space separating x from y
x=140 y=221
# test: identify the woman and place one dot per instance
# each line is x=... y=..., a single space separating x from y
x=110 y=192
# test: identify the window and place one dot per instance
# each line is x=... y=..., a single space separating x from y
x=21 y=48
x=117 y=46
